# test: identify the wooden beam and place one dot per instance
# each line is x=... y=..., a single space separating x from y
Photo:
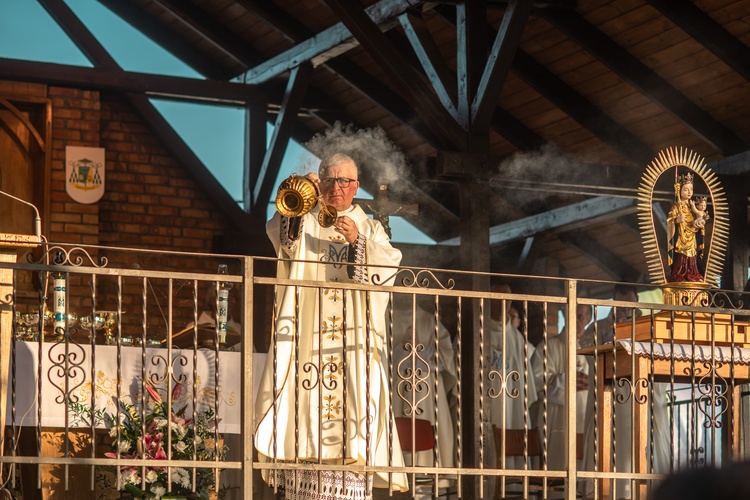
x=431 y=61
x=498 y=64
x=162 y=130
x=154 y=29
x=290 y=27
x=383 y=96
x=100 y=78
x=502 y=122
x=581 y=109
x=212 y=31
x=296 y=87
x=471 y=48
x=555 y=219
x=532 y=248
x=190 y=162
x=734 y=275
x=256 y=121
x=738 y=164
x=77 y=31
x=434 y=217
x=633 y=71
x=712 y=35
x=599 y=254
x=345 y=69
x=322 y=46
x=400 y=72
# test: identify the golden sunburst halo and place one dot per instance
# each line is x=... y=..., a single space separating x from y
x=719 y=237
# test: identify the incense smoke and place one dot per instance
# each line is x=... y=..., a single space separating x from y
x=370 y=149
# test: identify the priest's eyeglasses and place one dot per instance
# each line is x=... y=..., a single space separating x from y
x=343 y=182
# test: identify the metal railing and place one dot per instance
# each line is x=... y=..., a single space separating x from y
x=464 y=402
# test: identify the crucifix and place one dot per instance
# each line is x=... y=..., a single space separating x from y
x=382 y=208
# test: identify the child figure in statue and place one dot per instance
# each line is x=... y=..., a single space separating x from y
x=698 y=207
x=685 y=235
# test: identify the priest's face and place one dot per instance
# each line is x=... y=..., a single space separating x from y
x=338 y=185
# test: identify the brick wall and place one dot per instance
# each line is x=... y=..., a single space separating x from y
x=75 y=122
x=150 y=202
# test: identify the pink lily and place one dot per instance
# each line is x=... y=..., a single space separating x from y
x=152 y=392
x=176 y=391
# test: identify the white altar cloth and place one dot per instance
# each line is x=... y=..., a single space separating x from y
x=686 y=352
x=78 y=366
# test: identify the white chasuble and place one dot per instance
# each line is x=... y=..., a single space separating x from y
x=325 y=375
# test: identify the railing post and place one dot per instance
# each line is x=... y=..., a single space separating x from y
x=248 y=424
x=570 y=393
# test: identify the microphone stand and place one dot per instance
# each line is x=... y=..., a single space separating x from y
x=37 y=219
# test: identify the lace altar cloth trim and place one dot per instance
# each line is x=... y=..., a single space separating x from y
x=685 y=352
x=332 y=485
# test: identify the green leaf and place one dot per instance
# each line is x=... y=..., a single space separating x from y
x=135 y=490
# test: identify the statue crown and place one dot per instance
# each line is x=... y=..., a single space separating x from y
x=685 y=179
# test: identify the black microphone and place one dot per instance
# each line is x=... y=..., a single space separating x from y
x=37 y=219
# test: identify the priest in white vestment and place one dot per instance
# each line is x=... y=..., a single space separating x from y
x=510 y=357
x=414 y=339
x=323 y=395
x=556 y=353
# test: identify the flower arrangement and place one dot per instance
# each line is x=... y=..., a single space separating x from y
x=190 y=440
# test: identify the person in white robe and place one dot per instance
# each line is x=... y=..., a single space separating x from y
x=323 y=396
x=556 y=353
x=415 y=334
x=507 y=361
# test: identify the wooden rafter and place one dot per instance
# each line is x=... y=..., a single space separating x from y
x=100 y=78
x=88 y=44
x=712 y=35
x=581 y=109
x=498 y=64
x=502 y=122
x=633 y=71
x=471 y=47
x=154 y=29
x=567 y=216
x=298 y=81
x=256 y=121
x=318 y=48
x=211 y=30
x=439 y=217
x=400 y=72
x=431 y=61
x=603 y=257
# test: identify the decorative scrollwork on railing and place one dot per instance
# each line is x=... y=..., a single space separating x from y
x=67 y=358
x=695 y=458
x=183 y=361
x=644 y=384
x=413 y=372
x=61 y=256
x=697 y=299
x=505 y=384
x=422 y=278
x=157 y=359
x=330 y=371
x=624 y=396
x=713 y=390
x=723 y=300
x=312 y=382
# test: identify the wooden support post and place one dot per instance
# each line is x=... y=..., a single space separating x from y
x=9 y=246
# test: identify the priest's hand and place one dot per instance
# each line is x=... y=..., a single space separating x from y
x=347 y=228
